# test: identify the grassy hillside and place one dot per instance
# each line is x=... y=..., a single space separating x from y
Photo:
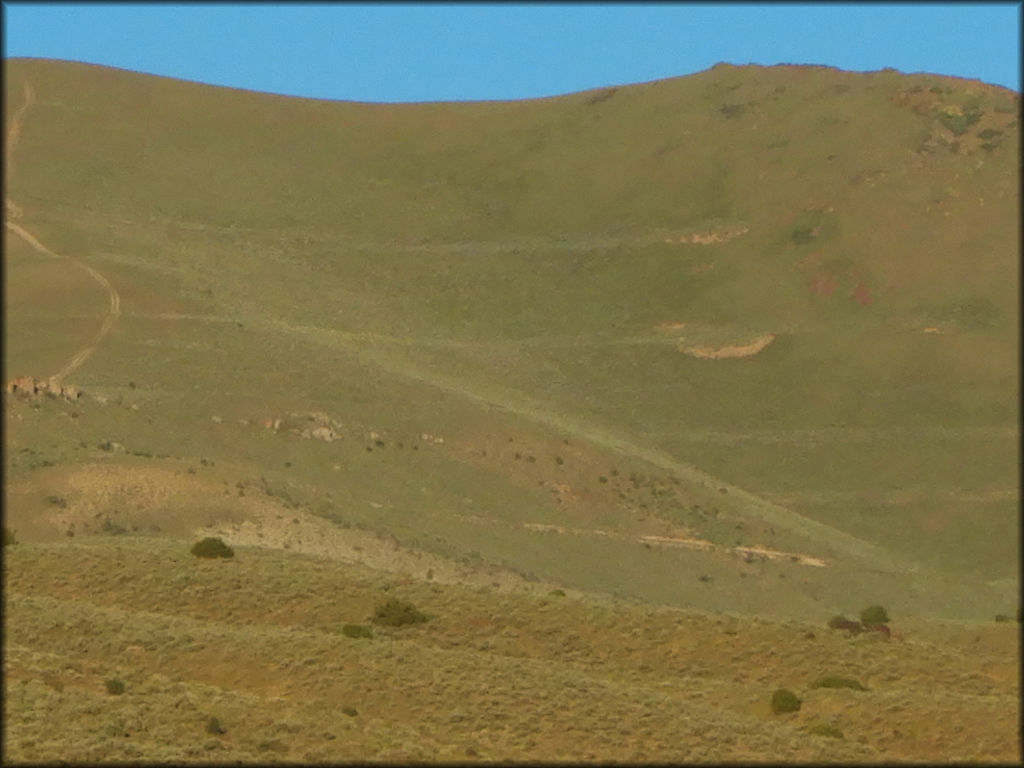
x=741 y=342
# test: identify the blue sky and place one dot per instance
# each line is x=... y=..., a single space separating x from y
x=435 y=52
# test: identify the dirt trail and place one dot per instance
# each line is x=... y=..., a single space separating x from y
x=15 y=211
x=522 y=405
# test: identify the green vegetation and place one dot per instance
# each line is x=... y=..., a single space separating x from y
x=211 y=547
x=784 y=700
x=214 y=727
x=840 y=622
x=9 y=537
x=115 y=686
x=959 y=120
x=825 y=729
x=397 y=613
x=874 y=615
x=357 y=631
x=836 y=681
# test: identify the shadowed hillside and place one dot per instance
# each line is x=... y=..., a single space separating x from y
x=741 y=342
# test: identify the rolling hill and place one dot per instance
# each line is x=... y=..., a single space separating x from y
x=740 y=346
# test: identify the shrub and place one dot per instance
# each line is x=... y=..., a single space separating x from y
x=1001 y=617
x=214 y=727
x=9 y=537
x=874 y=614
x=784 y=700
x=959 y=120
x=557 y=593
x=825 y=729
x=834 y=681
x=212 y=547
x=356 y=631
x=350 y=711
x=801 y=235
x=397 y=613
x=115 y=686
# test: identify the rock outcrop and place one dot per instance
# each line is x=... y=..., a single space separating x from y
x=29 y=386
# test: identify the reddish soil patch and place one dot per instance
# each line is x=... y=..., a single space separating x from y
x=823 y=285
x=861 y=294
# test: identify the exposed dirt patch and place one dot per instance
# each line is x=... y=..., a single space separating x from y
x=862 y=295
x=823 y=285
x=167 y=501
x=738 y=350
x=710 y=236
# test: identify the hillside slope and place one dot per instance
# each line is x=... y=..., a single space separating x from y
x=718 y=326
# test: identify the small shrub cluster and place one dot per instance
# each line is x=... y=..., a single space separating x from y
x=396 y=613
x=212 y=547
x=801 y=235
x=214 y=727
x=959 y=120
x=835 y=681
x=784 y=700
x=9 y=537
x=874 y=615
x=825 y=729
x=114 y=685
x=357 y=631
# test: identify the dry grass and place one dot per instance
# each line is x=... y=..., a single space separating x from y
x=517 y=675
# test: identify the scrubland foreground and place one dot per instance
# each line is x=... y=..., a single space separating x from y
x=629 y=394
x=245 y=659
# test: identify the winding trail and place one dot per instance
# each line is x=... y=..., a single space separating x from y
x=14 y=211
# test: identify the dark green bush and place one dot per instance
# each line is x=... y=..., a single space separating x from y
x=825 y=729
x=356 y=631
x=557 y=592
x=958 y=121
x=214 y=727
x=115 y=686
x=874 y=614
x=9 y=537
x=834 y=681
x=350 y=711
x=396 y=613
x=801 y=235
x=784 y=700
x=1001 y=617
x=212 y=547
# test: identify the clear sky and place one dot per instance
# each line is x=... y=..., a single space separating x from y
x=435 y=52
